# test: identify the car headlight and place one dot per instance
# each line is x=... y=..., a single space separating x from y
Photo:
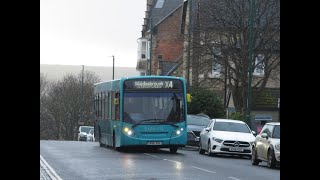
x=277 y=146
x=179 y=131
x=217 y=139
x=128 y=131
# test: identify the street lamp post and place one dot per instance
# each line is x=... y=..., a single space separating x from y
x=248 y=108
x=112 y=66
x=81 y=102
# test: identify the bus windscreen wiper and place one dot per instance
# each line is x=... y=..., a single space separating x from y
x=169 y=123
x=144 y=121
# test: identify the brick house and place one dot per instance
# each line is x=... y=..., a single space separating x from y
x=175 y=43
x=166 y=20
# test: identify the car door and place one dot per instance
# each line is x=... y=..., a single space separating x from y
x=266 y=142
x=259 y=141
x=204 y=136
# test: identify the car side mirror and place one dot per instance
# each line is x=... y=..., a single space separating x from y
x=264 y=135
x=253 y=132
x=207 y=129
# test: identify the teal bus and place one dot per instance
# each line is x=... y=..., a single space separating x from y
x=142 y=111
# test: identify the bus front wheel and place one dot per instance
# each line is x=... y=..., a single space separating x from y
x=173 y=149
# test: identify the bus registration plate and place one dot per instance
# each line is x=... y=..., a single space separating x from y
x=154 y=143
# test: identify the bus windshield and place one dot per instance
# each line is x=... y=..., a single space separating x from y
x=153 y=107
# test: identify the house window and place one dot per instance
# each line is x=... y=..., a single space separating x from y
x=259 y=65
x=216 y=69
x=143 y=50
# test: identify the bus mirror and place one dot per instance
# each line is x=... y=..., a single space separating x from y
x=116 y=101
x=189 y=98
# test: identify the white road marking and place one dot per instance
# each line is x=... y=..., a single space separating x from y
x=233 y=178
x=203 y=169
x=172 y=161
x=150 y=155
x=49 y=170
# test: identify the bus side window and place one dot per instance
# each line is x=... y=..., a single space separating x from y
x=115 y=106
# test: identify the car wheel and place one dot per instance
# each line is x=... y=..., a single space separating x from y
x=271 y=159
x=209 y=149
x=173 y=149
x=254 y=158
x=201 y=151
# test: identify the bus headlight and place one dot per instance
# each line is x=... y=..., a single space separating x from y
x=179 y=131
x=128 y=131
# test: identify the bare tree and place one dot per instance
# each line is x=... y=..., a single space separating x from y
x=66 y=103
x=220 y=45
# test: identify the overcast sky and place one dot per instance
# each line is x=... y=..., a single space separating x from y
x=86 y=32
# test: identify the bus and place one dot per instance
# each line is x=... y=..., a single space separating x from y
x=142 y=111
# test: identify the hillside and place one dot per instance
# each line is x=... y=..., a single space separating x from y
x=56 y=72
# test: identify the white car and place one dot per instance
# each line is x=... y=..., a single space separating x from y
x=83 y=133
x=267 y=145
x=226 y=136
x=90 y=136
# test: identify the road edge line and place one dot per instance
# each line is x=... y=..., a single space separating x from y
x=49 y=170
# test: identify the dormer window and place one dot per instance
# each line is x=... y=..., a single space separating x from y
x=159 y=3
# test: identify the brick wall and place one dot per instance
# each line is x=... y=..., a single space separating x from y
x=167 y=40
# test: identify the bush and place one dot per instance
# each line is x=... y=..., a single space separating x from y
x=205 y=101
x=237 y=116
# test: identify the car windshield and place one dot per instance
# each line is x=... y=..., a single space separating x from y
x=276 y=132
x=86 y=129
x=231 y=126
x=197 y=120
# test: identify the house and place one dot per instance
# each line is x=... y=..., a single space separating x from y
x=162 y=37
x=207 y=43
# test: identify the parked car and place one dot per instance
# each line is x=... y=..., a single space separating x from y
x=83 y=133
x=202 y=114
x=195 y=124
x=267 y=145
x=90 y=136
x=226 y=136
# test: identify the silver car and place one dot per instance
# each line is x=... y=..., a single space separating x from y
x=267 y=145
x=83 y=132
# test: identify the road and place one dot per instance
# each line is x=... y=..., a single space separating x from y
x=73 y=160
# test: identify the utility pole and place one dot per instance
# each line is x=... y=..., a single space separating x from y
x=248 y=116
x=150 y=47
x=189 y=44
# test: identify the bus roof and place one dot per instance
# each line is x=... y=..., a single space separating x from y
x=140 y=77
